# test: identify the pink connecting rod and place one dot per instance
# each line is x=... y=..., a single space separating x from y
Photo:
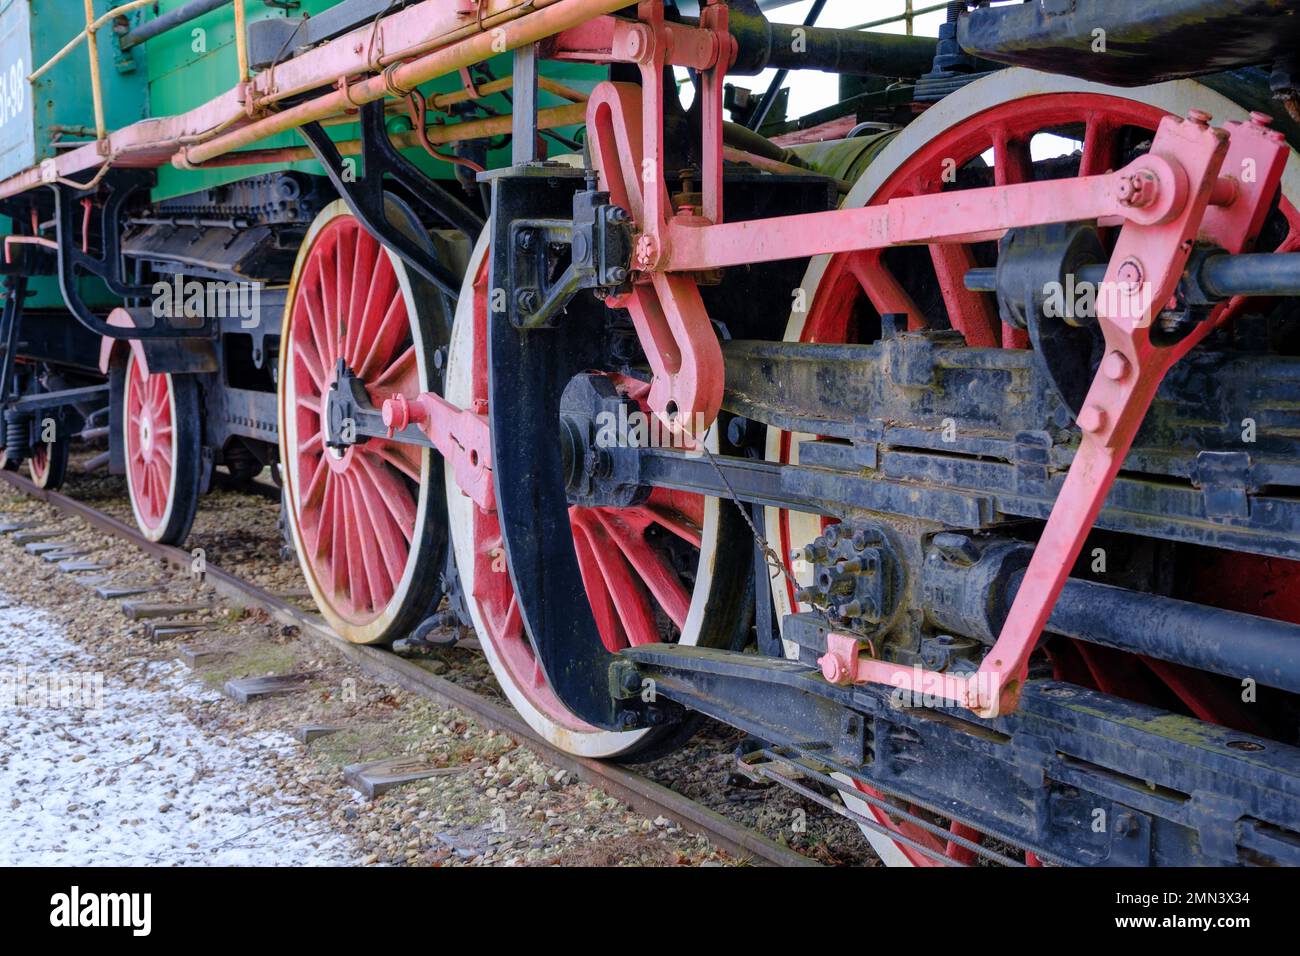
x=461 y=437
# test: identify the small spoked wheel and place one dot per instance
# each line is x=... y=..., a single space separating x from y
x=367 y=517
x=48 y=464
x=654 y=572
x=162 y=434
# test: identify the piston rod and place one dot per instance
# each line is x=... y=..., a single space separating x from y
x=1242 y=646
x=1222 y=275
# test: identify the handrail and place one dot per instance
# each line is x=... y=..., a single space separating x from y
x=96 y=90
x=92 y=26
x=89 y=35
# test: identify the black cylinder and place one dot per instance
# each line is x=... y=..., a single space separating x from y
x=763 y=44
x=169 y=20
x=1210 y=639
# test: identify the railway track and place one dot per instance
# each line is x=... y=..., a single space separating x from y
x=641 y=793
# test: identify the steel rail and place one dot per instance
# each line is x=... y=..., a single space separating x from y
x=639 y=792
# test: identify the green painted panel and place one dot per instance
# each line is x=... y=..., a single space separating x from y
x=32 y=31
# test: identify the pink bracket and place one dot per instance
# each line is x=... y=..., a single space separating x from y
x=461 y=437
x=1150 y=257
x=624 y=123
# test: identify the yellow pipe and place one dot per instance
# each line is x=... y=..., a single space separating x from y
x=544 y=22
x=241 y=40
x=96 y=93
x=570 y=114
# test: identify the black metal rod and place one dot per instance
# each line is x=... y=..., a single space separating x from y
x=1225 y=275
x=170 y=20
x=1207 y=638
x=1260 y=273
x=774 y=88
x=765 y=45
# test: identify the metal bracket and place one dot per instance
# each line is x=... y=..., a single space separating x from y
x=599 y=239
x=364 y=194
x=108 y=265
x=10 y=321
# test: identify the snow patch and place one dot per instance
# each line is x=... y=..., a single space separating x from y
x=133 y=781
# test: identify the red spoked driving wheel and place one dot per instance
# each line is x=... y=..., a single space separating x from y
x=161 y=434
x=649 y=570
x=1007 y=128
x=366 y=516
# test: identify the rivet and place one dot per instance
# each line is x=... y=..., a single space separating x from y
x=1092 y=418
x=1115 y=367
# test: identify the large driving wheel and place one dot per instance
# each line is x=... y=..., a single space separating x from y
x=1002 y=118
x=653 y=572
x=367 y=519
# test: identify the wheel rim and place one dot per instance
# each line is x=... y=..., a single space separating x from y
x=39 y=464
x=636 y=592
x=1002 y=113
x=149 y=425
x=360 y=517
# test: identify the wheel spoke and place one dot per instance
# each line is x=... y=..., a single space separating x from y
x=883 y=290
x=408 y=459
x=655 y=571
x=390 y=538
x=1011 y=160
x=365 y=564
x=1100 y=146
x=402 y=375
x=390 y=490
x=627 y=591
x=973 y=314
x=608 y=623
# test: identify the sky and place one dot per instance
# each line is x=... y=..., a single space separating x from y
x=811 y=90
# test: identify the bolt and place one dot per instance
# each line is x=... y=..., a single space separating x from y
x=860 y=540
x=1115 y=367
x=647 y=251
x=1139 y=189
x=1199 y=117
x=852 y=609
x=525 y=239
x=834 y=669
x=630 y=680
x=618 y=274
x=1130 y=274
x=527 y=300
x=832 y=534
x=1092 y=418
x=1261 y=119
